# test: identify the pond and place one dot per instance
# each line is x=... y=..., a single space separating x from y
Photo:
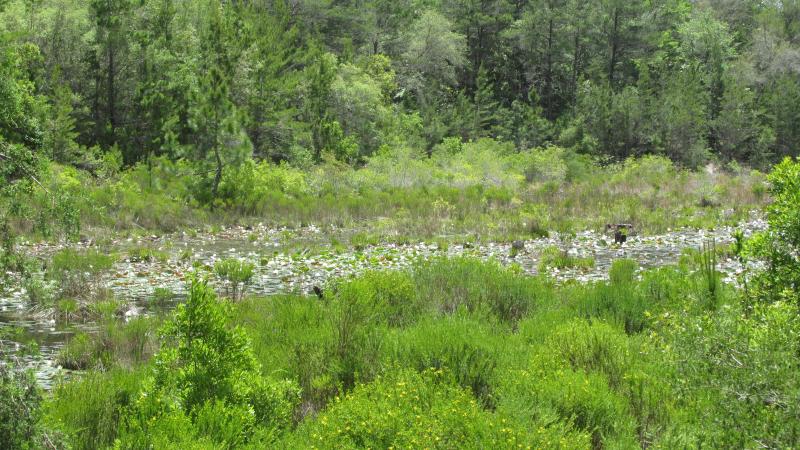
x=297 y=260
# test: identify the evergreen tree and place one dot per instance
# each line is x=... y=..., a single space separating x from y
x=218 y=138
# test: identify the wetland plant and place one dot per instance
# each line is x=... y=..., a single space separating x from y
x=147 y=254
x=237 y=275
x=708 y=269
x=556 y=258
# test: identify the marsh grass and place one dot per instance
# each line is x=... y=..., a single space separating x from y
x=147 y=254
x=470 y=196
x=115 y=344
x=89 y=409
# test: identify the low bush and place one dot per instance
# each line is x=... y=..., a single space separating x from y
x=407 y=409
x=20 y=401
x=464 y=347
x=206 y=376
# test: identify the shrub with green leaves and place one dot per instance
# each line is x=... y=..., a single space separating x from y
x=205 y=374
x=408 y=409
x=451 y=284
x=76 y=272
x=88 y=409
x=779 y=246
x=464 y=346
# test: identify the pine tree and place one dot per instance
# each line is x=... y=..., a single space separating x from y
x=219 y=138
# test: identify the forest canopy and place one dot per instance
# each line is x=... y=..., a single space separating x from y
x=217 y=82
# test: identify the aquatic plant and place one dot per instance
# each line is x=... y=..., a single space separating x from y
x=237 y=275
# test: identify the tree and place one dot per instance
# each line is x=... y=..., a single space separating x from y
x=779 y=245
x=219 y=139
x=739 y=130
x=432 y=58
x=21 y=136
x=270 y=76
x=486 y=111
x=540 y=34
x=481 y=22
x=61 y=134
x=109 y=64
x=167 y=79
x=619 y=29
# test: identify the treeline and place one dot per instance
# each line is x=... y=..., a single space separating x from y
x=218 y=82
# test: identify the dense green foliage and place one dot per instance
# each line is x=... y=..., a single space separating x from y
x=439 y=120
x=214 y=85
x=779 y=247
x=457 y=352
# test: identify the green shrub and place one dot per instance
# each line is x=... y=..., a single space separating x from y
x=577 y=399
x=736 y=374
x=389 y=297
x=407 y=409
x=295 y=336
x=206 y=368
x=464 y=347
x=20 y=401
x=162 y=296
x=779 y=245
x=78 y=353
x=591 y=376
x=358 y=327
x=623 y=271
x=76 y=273
x=620 y=303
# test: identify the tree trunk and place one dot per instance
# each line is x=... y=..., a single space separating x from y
x=112 y=107
x=614 y=48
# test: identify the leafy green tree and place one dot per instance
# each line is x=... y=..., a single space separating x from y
x=486 y=110
x=781 y=100
x=779 y=246
x=316 y=108
x=60 y=128
x=542 y=37
x=481 y=22
x=21 y=136
x=739 y=129
x=269 y=89
x=167 y=80
x=680 y=120
x=433 y=56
